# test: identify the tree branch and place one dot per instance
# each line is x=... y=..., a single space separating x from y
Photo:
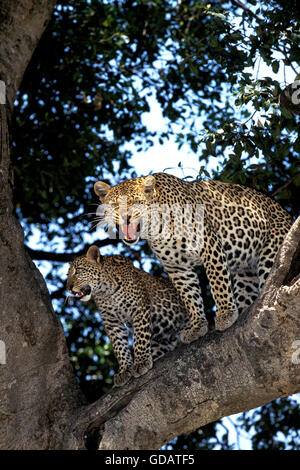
x=67 y=257
x=246 y=366
x=244 y=7
x=59 y=293
x=286 y=184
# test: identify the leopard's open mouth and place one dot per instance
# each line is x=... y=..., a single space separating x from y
x=131 y=232
x=84 y=294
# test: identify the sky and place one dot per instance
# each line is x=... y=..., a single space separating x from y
x=164 y=157
x=159 y=158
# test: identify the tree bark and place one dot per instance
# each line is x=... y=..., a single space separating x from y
x=41 y=407
x=38 y=388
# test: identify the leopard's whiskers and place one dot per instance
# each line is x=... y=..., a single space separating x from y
x=89 y=213
x=97 y=223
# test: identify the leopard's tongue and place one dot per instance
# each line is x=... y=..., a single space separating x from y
x=129 y=230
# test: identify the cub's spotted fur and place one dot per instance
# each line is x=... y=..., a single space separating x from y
x=238 y=234
x=125 y=295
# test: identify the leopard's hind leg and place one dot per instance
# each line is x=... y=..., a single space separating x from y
x=245 y=289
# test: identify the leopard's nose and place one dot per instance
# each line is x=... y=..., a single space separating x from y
x=125 y=218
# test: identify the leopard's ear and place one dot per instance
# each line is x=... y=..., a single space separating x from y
x=149 y=184
x=101 y=189
x=93 y=254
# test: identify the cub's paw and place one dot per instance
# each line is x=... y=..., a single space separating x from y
x=188 y=335
x=141 y=367
x=225 y=319
x=122 y=378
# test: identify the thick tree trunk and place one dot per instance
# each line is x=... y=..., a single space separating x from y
x=252 y=363
x=38 y=389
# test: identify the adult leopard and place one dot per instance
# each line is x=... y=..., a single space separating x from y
x=232 y=230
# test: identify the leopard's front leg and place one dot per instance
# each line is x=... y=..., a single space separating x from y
x=218 y=275
x=186 y=282
x=142 y=340
x=118 y=336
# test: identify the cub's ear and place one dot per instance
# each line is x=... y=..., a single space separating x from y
x=149 y=184
x=101 y=189
x=93 y=254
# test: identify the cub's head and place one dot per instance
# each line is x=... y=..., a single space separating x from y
x=126 y=205
x=86 y=274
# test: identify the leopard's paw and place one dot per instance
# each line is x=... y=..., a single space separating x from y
x=122 y=378
x=188 y=335
x=224 y=319
x=141 y=367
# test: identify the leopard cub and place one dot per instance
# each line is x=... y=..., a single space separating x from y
x=126 y=296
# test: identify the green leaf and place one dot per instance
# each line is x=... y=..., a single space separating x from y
x=214 y=41
x=275 y=66
x=297 y=181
